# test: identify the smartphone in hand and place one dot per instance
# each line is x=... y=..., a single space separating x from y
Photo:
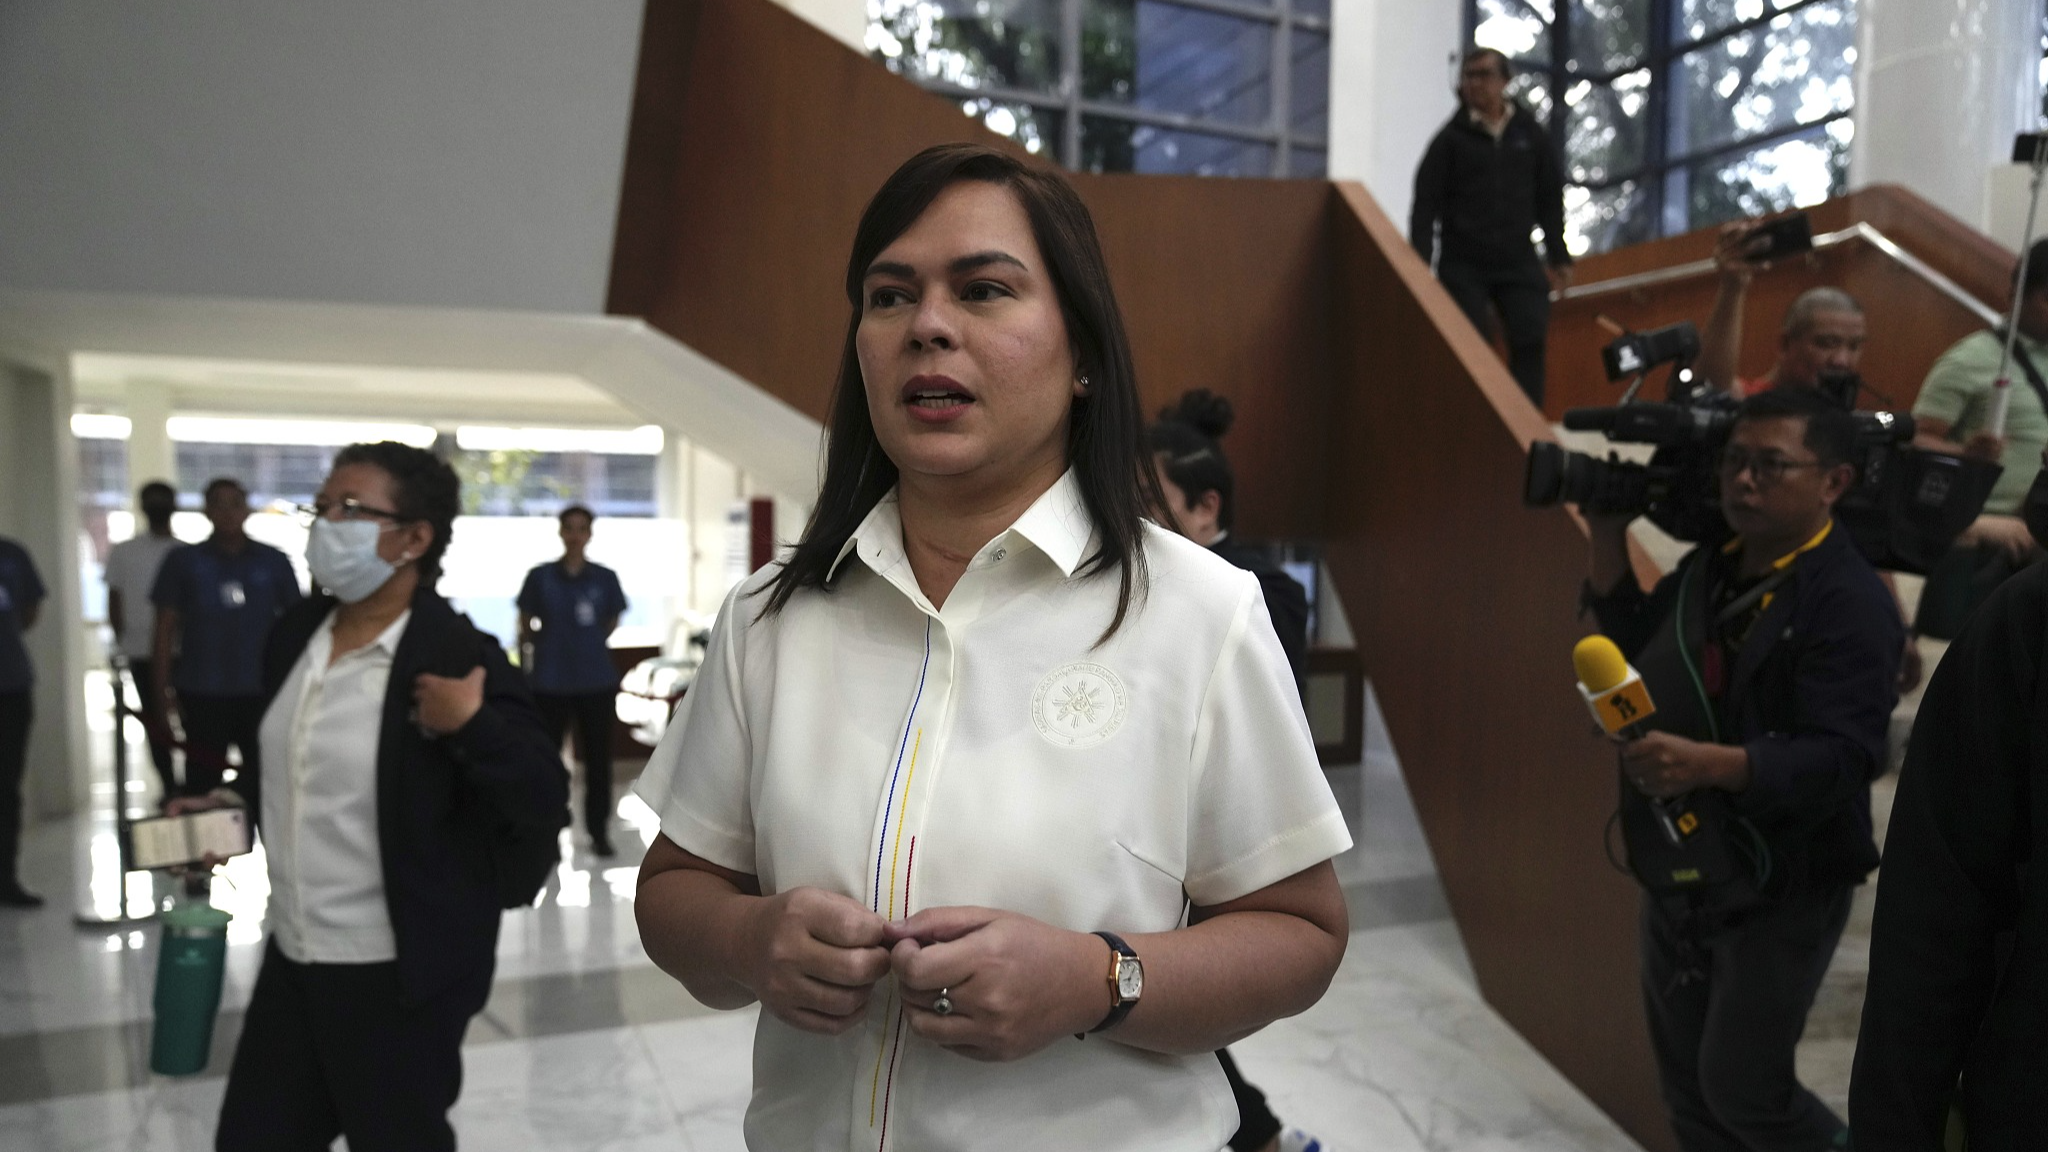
x=1779 y=237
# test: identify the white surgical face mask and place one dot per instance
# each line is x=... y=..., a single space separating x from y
x=344 y=560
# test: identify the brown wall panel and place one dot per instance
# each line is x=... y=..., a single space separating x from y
x=1463 y=602
x=779 y=136
x=741 y=196
x=1911 y=323
x=1224 y=285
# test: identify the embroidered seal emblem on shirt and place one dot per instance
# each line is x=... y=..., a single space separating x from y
x=1079 y=705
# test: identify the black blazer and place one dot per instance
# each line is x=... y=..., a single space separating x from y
x=1286 y=601
x=1810 y=698
x=441 y=802
x=1959 y=952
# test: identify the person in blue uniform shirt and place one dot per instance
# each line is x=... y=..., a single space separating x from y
x=215 y=603
x=567 y=611
x=21 y=599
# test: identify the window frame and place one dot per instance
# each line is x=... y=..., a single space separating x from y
x=1661 y=174
x=1068 y=102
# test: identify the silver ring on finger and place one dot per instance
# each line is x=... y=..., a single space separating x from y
x=943 y=1004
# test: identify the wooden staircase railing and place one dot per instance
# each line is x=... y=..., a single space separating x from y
x=1924 y=278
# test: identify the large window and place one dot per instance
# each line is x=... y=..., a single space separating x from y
x=1679 y=114
x=1204 y=87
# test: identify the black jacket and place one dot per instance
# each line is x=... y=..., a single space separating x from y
x=1959 y=949
x=1489 y=195
x=1810 y=697
x=1286 y=602
x=441 y=802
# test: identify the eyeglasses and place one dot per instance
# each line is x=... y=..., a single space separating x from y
x=348 y=509
x=1767 y=467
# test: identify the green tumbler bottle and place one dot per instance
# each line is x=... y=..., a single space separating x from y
x=191 y=962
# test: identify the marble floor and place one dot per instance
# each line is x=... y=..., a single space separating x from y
x=585 y=1045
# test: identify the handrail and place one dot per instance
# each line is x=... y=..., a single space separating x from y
x=1857 y=231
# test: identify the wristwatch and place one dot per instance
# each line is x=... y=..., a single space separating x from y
x=1126 y=981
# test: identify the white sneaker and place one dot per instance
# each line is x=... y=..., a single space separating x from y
x=1293 y=1139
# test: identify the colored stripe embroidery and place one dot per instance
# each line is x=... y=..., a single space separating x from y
x=897 y=851
x=890 y=809
x=882 y=1049
x=890 y=1090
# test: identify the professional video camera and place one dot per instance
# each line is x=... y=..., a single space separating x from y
x=1906 y=509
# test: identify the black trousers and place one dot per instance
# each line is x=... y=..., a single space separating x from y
x=1727 y=1004
x=1256 y=1124
x=17 y=711
x=593 y=714
x=1521 y=293
x=330 y=1050
x=213 y=724
x=149 y=706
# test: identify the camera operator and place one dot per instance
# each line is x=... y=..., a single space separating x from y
x=1953 y=414
x=1772 y=659
x=1822 y=333
x=1823 y=330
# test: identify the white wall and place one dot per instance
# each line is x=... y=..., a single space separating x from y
x=463 y=152
x=1941 y=87
x=38 y=474
x=844 y=20
x=1392 y=68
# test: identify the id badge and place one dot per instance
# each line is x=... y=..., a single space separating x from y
x=586 y=614
x=232 y=595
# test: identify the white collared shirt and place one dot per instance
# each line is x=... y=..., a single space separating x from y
x=131 y=570
x=989 y=753
x=319 y=741
x=1494 y=128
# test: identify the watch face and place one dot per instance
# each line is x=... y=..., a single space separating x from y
x=1130 y=979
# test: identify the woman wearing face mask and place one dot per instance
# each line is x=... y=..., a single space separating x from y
x=406 y=784
x=996 y=797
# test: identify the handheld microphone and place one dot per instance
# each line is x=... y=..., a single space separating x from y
x=1613 y=692
x=1620 y=702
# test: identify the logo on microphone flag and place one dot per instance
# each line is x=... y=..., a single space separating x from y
x=1620 y=706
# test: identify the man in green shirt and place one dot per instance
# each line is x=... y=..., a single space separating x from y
x=1954 y=414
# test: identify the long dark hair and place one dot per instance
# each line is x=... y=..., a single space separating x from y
x=1188 y=440
x=1105 y=433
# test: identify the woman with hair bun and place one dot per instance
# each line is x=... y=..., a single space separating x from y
x=1200 y=502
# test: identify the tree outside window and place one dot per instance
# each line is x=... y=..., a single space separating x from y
x=1204 y=87
x=1673 y=115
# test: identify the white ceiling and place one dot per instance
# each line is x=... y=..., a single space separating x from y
x=426 y=364
x=193 y=384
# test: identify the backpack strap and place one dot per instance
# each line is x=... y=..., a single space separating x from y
x=2032 y=373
